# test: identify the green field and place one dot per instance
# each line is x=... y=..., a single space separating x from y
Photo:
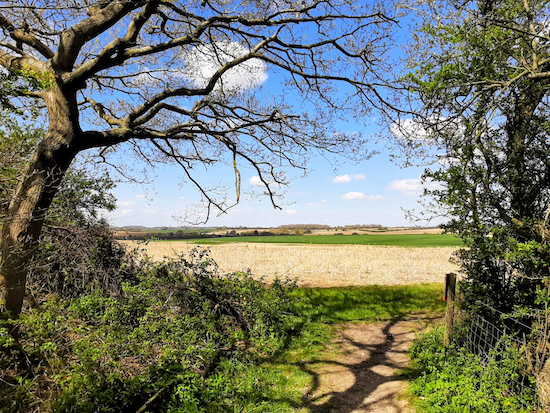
x=399 y=240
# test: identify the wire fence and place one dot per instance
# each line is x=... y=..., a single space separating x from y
x=488 y=340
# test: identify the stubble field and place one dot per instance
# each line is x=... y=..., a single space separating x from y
x=324 y=265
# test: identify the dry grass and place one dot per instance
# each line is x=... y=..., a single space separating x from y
x=325 y=265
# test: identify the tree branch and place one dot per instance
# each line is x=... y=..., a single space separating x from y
x=101 y=19
x=23 y=36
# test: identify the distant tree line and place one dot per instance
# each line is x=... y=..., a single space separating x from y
x=304 y=226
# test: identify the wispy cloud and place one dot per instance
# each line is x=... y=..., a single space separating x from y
x=291 y=211
x=348 y=177
x=352 y=196
x=317 y=204
x=376 y=198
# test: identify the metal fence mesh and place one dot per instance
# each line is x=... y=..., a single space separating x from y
x=487 y=340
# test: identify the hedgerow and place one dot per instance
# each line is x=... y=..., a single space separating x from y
x=451 y=379
x=180 y=337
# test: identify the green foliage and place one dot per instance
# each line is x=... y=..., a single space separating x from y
x=451 y=380
x=82 y=194
x=17 y=83
x=34 y=80
x=483 y=104
x=181 y=337
x=493 y=264
x=16 y=144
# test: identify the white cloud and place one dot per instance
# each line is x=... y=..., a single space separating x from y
x=124 y=212
x=376 y=198
x=342 y=179
x=348 y=177
x=413 y=186
x=353 y=196
x=205 y=60
x=291 y=211
x=412 y=130
x=149 y=212
x=140 y=196
x=124 y=203
x=317 y=204
x=256 y=181
x=313 y=204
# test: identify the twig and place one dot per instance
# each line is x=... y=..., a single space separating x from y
x=151 y=400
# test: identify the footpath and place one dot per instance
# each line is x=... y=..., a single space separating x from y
x=361 y=375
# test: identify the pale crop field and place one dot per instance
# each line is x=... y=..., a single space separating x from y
x=323 y=265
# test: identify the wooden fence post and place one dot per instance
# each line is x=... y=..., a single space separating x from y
x=450 y=290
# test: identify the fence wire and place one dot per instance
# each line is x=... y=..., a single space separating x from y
x=487 y=341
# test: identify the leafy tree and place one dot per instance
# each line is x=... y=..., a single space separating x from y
x=82 y=193
x=166 y=78
x=74 y=240
x=15 y=147
x=479 y=73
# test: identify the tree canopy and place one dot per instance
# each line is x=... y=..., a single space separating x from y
x=186 y=76
x=181 y=81
x=479 y=76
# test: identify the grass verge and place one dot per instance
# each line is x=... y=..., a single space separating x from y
x=369 y=304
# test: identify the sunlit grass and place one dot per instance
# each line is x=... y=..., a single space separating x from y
x=321 y=309
x=369 y=304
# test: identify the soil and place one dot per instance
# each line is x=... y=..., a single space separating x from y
x=362 y=374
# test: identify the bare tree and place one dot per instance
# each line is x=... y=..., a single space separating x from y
x=180 y=81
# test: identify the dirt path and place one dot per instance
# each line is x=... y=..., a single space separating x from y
x=360 y=375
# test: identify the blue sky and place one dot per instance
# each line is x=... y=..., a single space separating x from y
x=374 y=191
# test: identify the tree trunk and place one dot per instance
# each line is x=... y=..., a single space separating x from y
x=36 y=190
x=23 y=224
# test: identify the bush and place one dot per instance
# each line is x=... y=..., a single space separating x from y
x=451 y=380
x=180 y=338
x=74 y=261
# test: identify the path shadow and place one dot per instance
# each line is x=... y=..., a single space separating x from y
x=372 y=389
